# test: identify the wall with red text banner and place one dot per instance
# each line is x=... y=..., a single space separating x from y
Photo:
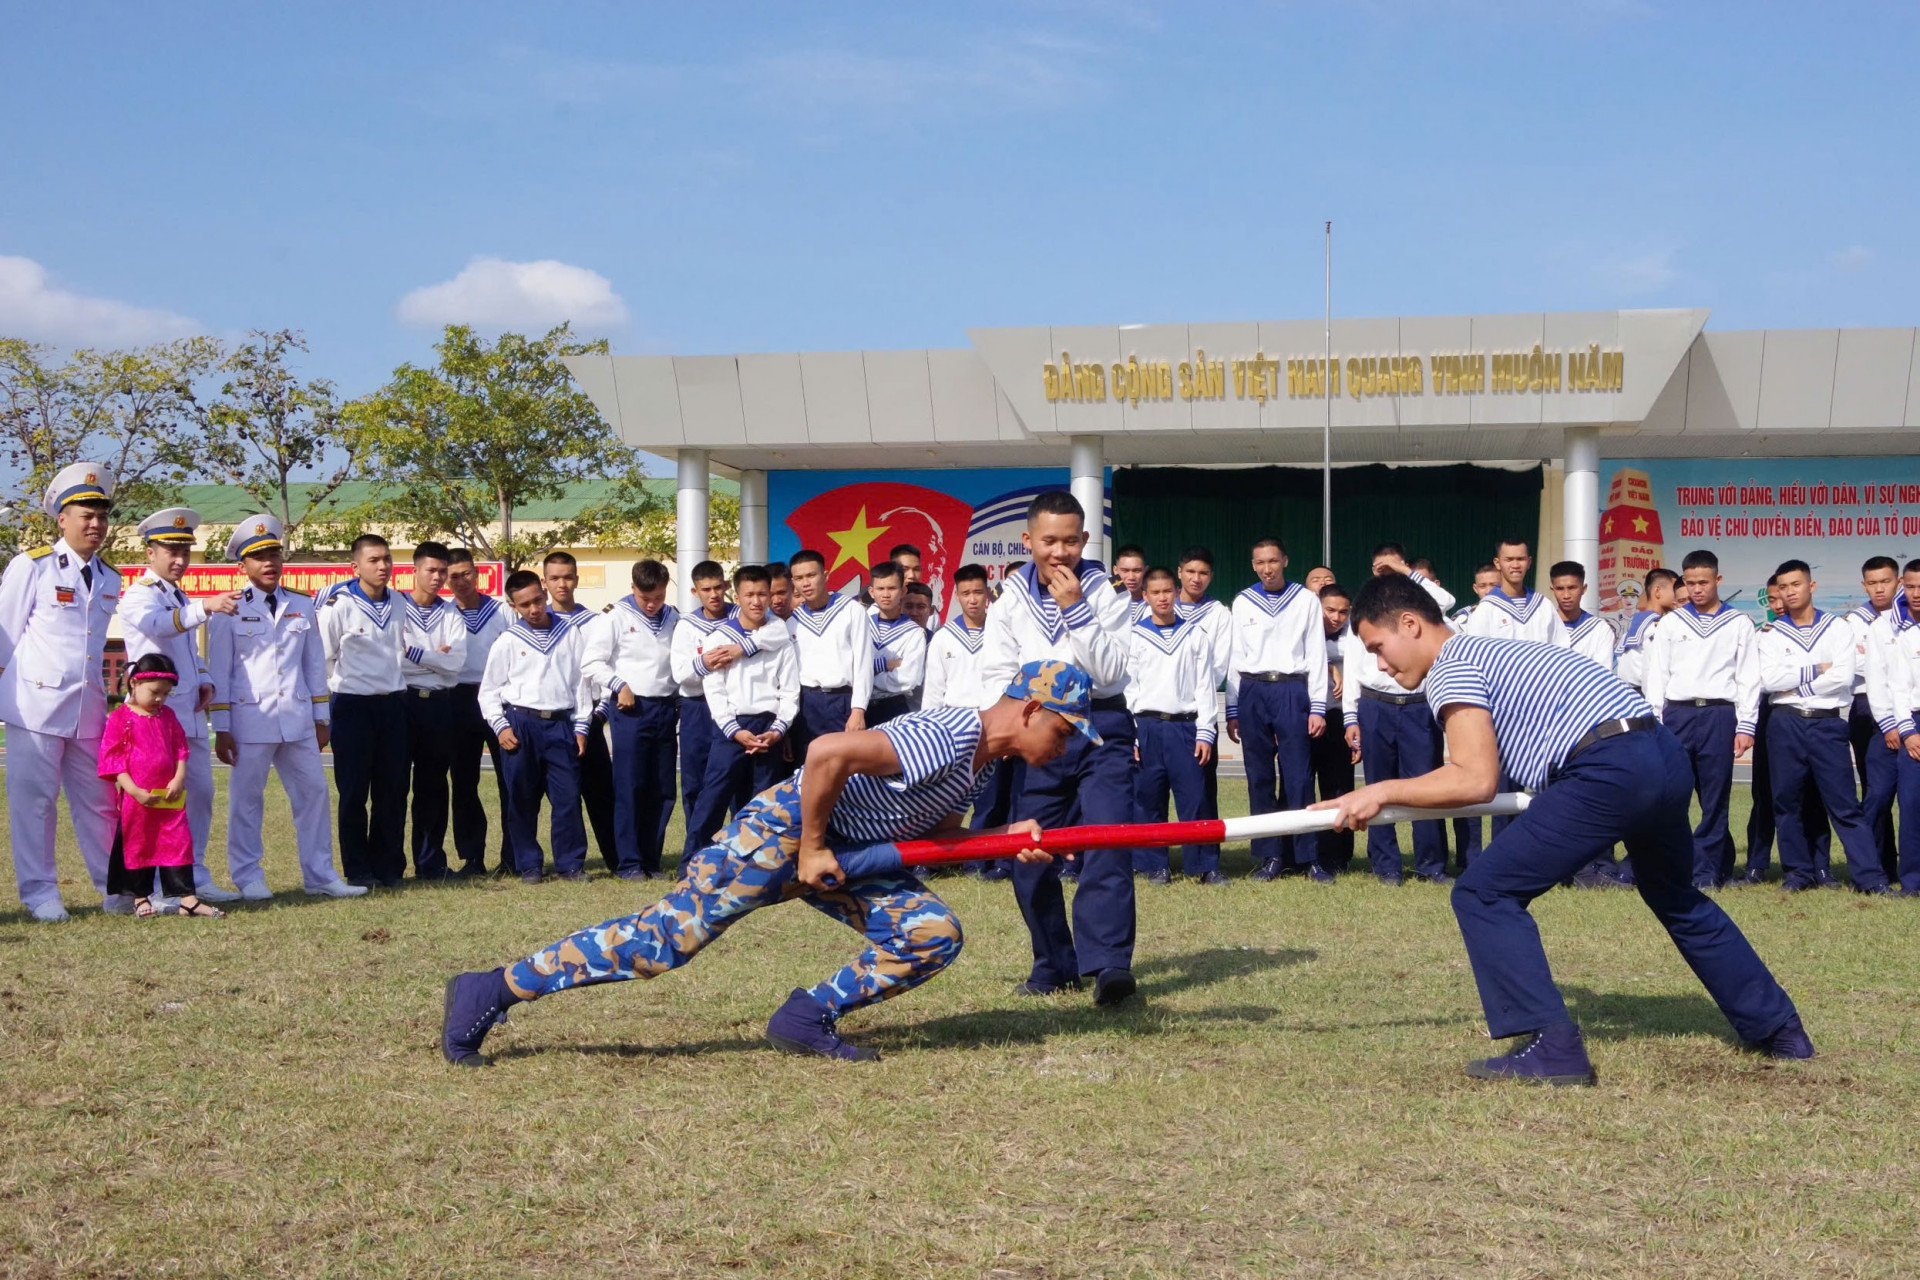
x=218 y=579
x=1754 y=513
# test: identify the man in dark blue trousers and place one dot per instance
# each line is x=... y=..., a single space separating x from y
x=1607 y=771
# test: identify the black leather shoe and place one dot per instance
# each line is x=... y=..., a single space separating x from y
x=530 y=877
x=1159 y=877
x=1213 y=877
x=1034 y=987
x=1268 y=870
x=1113 y=986
x=1754 y=876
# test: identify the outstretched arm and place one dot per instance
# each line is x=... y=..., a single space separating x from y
x=1471 y=774
x=831 y=760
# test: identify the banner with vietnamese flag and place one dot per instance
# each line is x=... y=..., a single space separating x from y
x=955 y=517
x=219 y=579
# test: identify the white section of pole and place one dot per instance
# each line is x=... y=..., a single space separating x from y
x=1294 y=822
x=689 y=523
x=753 y=517
x=1580 y=507
x=1087 y=478
x=1326 y=432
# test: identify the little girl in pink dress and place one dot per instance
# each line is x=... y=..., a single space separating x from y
x=145 y=753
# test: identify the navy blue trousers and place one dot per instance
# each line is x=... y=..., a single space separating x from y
x=1706 y=734
x=733 y=777
x=1800 y=750
x=994 y=806
x=1879 y=772
x=1099 y=781
x=643 y=761
x=1466 y=840
x=471 y=736
x=1332 y=776
x=1632 y=789
x=1401 y=742
x=431 y=722
x=697 y=733
x=370 y=764
x=884 y=707
x=820 y=713
x=1278 y=756
x=1168 y=769
x=1908 y=771
x=596 y=789
x=1760 y=827
x=546 y=763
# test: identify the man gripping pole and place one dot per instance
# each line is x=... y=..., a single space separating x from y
x=915 y=775
x=1610 y=772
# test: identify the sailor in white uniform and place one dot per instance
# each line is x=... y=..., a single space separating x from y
x=899 y=647
x=156 y=616
x=55 y=604
x=485 y=618
x=628 y=657
x=1578 y=630
x=1657 y=599
x=271 y=711
x=1170 y=691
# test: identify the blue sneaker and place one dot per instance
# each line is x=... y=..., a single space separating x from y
x=475 y=1003
x=1556 y=1056
x=1319 y=874
x=1790 y=1041
x=805 y=1026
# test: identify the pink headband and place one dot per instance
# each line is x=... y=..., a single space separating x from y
x=168 y=676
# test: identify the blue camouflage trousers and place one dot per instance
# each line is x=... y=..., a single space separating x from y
x=911 y=933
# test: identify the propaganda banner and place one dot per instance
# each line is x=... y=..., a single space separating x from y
x=219 y=579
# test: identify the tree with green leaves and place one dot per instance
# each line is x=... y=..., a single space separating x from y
x=267 y=431
x=134 y=412
x=462 y=448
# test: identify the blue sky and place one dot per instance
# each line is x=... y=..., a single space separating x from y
x=719 y=177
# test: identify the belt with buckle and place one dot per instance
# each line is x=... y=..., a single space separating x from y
x=416 y=691
x=1392 y=699
x=1610 y=729
x=1699 y=702
x=1809 y=713
x=1115 y=703
x=1174 y=717
x=538 y=714
x=1272 y=677
x=821 y=688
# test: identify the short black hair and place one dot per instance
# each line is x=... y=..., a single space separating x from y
x=1196 y=552
x=1485 y=566
x=804 y=556
x=708 y=571
x=905 y=549
x=969 y=573
x=151 y=663
x=1701 y=559
x=1333 y=589
x=1773 y=579
x=1131 y=549
x=1913 y=566
x=520 y=579
x=1275 y=542
x=1513 y=540
x=366 y=540
x=1157 y=572
x=432 y=551
x=560 y=557
x=1055 y=502
x=649 y=575
x=1661 y=575
x=1317 y=569
x=1011 y=566
x=752 y=573
x=459 y=555
x=886 y=569
x=1423 y=564
x=1793 y=566
x=778 y=569
x=1567 y=569
x=1879 y=562
x=920 y=589
x=1393 y=549
x=1388 y=596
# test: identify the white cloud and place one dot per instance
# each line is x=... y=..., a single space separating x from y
x=1855 y=257
x=31 y=306
x=493 y=293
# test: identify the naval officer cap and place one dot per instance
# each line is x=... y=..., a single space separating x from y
x=173 y=527
x=81 y=482
x=254 y=535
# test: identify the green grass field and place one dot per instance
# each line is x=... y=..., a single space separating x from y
x=264 y=1096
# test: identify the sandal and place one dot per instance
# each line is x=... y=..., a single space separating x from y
x=143 y=909
x=204 y=909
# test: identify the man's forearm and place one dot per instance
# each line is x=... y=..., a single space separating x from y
x=1448 y=787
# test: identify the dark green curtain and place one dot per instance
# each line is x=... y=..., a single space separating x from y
x=1451 y=515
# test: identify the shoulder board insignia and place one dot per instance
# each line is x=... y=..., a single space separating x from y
x=607 y=609
x=39 y=553
x=332 y=600
x=1119 y=588
x=289 y=591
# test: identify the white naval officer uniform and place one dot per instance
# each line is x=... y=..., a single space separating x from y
x=53 y=700
x=954 y=669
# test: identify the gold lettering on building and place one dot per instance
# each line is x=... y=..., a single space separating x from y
x=1134 y=381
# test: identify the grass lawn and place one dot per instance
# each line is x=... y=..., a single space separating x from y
x=264 y=1095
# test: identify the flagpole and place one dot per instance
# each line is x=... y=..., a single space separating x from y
x=1326 y=433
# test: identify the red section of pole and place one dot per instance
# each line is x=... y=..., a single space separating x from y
x=921 y=853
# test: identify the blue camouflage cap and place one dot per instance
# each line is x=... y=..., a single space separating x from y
x=1060 y=687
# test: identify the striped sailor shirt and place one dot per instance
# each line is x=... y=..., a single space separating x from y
x=1543 y=699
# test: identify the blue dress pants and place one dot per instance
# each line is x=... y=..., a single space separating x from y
x=431 y=732
x=1706 y=734
x=370 y=764
x=1879 y=774
x=1760 y=826
x=643 y=761
x=1633 y=789
x=1909 y=789
x=1817 y=750
x=1401 y=742
x=1099 y=781
x=471 y=736
x=546 y=763
x=697 y=732
x=1168 y=769
x=733 y=777
x=820 y=713
x=1278 y=756
x=1333 y=776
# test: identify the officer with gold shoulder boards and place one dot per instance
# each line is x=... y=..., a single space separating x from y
x=55 y=604
x=270 y=712
x=156 y=616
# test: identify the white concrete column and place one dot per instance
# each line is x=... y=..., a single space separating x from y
x=689 y=523
x=1087 y=479
x=1580 y=506
x=753 y=517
